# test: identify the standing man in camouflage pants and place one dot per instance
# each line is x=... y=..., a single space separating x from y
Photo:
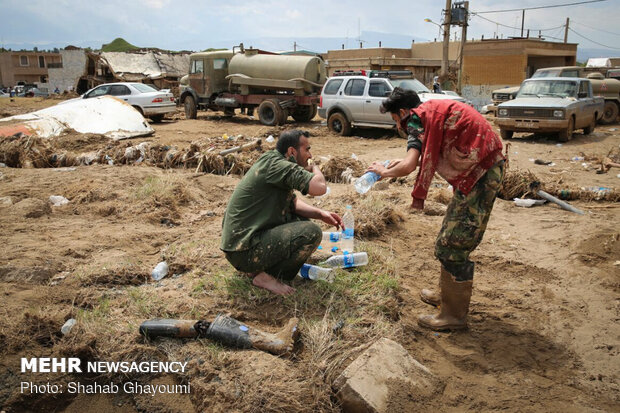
x=266 y=231
x=454 y=140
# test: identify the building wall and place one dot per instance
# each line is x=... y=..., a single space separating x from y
x=14 y=70
x=73 y=67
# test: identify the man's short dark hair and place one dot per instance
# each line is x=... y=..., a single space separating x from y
x=290 y=138
x=400 y=99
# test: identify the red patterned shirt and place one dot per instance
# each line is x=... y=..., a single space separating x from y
x=458 y=143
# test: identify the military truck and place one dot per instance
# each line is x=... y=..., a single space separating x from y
x=275 y=85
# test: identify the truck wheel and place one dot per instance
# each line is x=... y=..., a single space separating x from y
x=229 y=111
x=191 y=111
x=567 y=134
x=610 y=113
x=590 y=128
x=157 y=118
x=270 y=112
x=305 y=113
x=339 y=124
x=506 y=134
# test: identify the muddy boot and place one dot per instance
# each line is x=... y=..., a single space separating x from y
x=455 y=297
x=233 y=333
x=279 y=343
x=430 y=297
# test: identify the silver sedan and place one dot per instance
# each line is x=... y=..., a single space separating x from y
x=147 y=100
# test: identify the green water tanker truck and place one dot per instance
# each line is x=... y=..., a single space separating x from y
x=276 y=86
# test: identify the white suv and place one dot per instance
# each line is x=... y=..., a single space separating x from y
x=353 y=98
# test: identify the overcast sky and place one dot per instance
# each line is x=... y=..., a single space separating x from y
x=199 y=24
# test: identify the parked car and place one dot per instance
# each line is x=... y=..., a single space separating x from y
x=551 y=105
x=146 y=99
x=456 y=96
x=352 y=98
x=32 y=92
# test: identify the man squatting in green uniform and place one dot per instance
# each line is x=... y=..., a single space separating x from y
x=454 y=140
x=266 y=230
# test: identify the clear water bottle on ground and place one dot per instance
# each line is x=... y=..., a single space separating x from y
x=331 y=242
x=160 y=271
x=347 y=260
x=366 y=181
x=313 y=272
x=348 y=235
x=67 y=326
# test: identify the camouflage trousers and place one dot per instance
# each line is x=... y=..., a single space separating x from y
x=465 y=222
x=279 y=251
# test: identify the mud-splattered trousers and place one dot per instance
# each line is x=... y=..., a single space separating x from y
x=280 y=251
x=465 y=222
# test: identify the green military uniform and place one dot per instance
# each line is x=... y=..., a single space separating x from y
x=260 y=230
x=466 y=217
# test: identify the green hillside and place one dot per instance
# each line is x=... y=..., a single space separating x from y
x=118 y=45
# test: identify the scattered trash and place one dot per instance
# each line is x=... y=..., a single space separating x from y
x=564 y=205
x=64 y=169
x=227 y=331
x=577 y=158
x=2 y=165
x=613 y=129
x=225 y=137
x=559 y=145
x=160 y=271
x=247 y=146
x=543 y=162
x=58 y=200
x=270 y=139
x=354 y=156
x=67 y=326
x=528 y=203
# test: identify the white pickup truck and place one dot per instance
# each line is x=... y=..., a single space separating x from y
x=551 y=105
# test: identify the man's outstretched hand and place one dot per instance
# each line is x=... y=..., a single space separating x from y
x=331 y=218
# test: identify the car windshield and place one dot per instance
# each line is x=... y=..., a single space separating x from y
x=144 y=88
x=547 y=73
x=410 y=84
x=543 y=88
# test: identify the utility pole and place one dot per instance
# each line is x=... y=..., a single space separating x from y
x=294 y=46
x=446 y=38
x=463 y=38
x=522 y=22
x=566 y=30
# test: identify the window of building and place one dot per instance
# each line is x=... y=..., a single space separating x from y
x=23 y=60
x=41 y=61
x=43 y=79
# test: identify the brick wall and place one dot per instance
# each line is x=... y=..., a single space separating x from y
x=485 y=70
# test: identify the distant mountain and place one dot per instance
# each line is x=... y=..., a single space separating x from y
x=118 y=45
x=584 y=54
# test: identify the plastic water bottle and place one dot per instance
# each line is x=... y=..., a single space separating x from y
x=347 y=260
x=67 y=326
x=160 y=271
x=331 y=242
x=366 y=181
x=348 y=235
x=313 y=272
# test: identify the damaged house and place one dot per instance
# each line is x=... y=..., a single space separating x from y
x=161 y=69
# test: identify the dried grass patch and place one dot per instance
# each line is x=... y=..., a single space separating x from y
x=333 y=168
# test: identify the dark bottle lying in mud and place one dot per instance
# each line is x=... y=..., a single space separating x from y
x=225 y=330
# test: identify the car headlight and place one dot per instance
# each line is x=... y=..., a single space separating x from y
x=503 y=112
x=558 y=113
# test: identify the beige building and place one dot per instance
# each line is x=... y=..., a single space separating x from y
x=27 y=67
x=487 y=64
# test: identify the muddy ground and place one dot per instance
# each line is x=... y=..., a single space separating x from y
x=544 y=324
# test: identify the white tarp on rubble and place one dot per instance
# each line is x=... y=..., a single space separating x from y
x=105 y=115
x=598 y=62
x=152 y=65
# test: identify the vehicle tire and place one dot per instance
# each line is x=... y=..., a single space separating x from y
x=283 y=116
x=270 y=112
x=590 y=128
x=191 y=111
x=229 y=111
x=157 y=118
x=610 y=113
x=305 y=113
x=506 y=134
x=338 y=123
x=567 y=134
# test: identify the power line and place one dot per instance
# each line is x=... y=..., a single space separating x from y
x=594 y=28
x=512 y=27
x=590 y=40
x=541 y=7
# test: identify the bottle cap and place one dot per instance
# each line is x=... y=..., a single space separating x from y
x=349 y=207
x=334 y=249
